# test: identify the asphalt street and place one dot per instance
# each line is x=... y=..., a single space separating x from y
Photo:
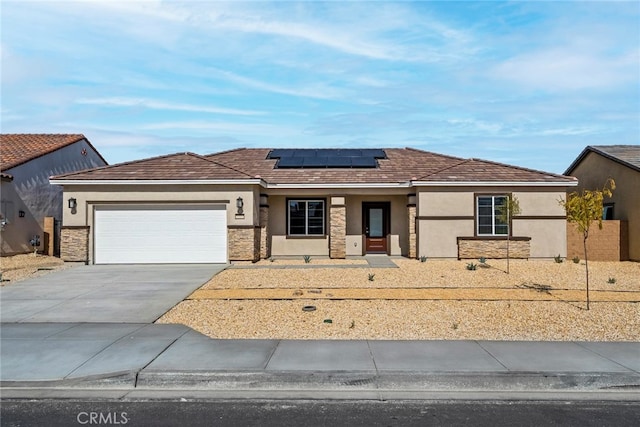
x=272 y=413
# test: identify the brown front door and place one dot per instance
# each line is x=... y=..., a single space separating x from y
x=376 y=226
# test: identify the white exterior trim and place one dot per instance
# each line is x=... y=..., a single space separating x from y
x=493 y=184
x=342 y=185
x=155 y=182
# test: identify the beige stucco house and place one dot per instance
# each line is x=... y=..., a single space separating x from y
x=593 y=167
x=27 y=198
x=248 y=204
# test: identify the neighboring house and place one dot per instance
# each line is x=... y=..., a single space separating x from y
x=26 y=163
x=248 y=204
x=593 y=167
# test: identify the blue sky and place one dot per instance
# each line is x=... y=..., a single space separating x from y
x=525 y=83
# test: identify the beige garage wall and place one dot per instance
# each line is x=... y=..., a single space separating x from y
x=91 y=195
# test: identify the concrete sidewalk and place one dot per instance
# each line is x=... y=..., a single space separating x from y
x=174 y=357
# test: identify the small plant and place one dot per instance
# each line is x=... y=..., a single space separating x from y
x=471 y=266
x=482 y=260
x=352 y=325
x=612 y=281
x=454 y=326
x=371 y=277
x=423 y=258
x=576 y=259
x=307 y=259
x=558 y=259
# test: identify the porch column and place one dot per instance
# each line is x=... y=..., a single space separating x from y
x=337 y=228
x=265 y=238
x=413 y=238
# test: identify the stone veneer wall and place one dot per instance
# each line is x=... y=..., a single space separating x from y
x=265 y=246
x=244 y=243
x=413 y=241
x=74 y=244
x=493 y=248
x=338 y=231
x=611 y=243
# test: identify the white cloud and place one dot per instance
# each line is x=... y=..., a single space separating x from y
x=566 y=69
x=159 y=105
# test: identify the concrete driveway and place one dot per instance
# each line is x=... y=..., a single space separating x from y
x=103 y=293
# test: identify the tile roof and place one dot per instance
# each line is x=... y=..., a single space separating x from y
x=180 y=166
x=16 y=149
x=628 y=155
x=401 y=166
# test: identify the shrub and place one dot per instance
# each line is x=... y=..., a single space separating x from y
x=371 y=277
x=612 y=281
x=472 y=266
x=423 y=258
x=307 y=259
x=558 y=259
x=576 y=259
x=482 y=260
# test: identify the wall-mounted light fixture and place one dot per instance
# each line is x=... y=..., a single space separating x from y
x=73 y=203
x=239 y=206
x=21 y=213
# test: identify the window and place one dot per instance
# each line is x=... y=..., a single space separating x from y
x=305 y=217
x=607 y=211
x=488 y=211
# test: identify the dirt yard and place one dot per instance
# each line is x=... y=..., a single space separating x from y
x=20 y=267
x=538 y=300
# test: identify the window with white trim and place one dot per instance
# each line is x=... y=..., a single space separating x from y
x=305 y=217
x=488 y=210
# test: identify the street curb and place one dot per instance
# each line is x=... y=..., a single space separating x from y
x=391 y=381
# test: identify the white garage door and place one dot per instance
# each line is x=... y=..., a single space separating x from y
x=160 y=234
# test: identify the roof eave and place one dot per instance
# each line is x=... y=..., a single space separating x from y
x=254 y=181
x=495 y=183
x=591 y=149
x=339 y=185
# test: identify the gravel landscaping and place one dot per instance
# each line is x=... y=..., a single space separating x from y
x=438 y=317
x=20 y=267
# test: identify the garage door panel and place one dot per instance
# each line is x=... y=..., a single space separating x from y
x=126 y=235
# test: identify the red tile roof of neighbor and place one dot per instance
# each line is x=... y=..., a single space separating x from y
x=16 y=149
x=628 y=155
x=400 y=166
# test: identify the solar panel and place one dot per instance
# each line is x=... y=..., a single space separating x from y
x=363 y=162
x=339 y=162
x=314 y=162
x=327 y=157
x=290 y=162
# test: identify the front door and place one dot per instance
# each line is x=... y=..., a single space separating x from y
x=376 y=226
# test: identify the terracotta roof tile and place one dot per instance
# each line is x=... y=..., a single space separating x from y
x=401 y=166
x=16 y=149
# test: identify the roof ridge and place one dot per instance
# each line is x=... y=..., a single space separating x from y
x=433 y=153
x=220 y=164
x=461 y=162
x=231 y=150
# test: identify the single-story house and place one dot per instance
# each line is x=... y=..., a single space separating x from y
x=26 y=163
x=248 y=204
x=620 y=238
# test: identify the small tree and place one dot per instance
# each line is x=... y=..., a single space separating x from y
x=506 y=212
x=582 y=209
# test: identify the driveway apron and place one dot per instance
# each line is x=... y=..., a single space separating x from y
x=103 y=293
